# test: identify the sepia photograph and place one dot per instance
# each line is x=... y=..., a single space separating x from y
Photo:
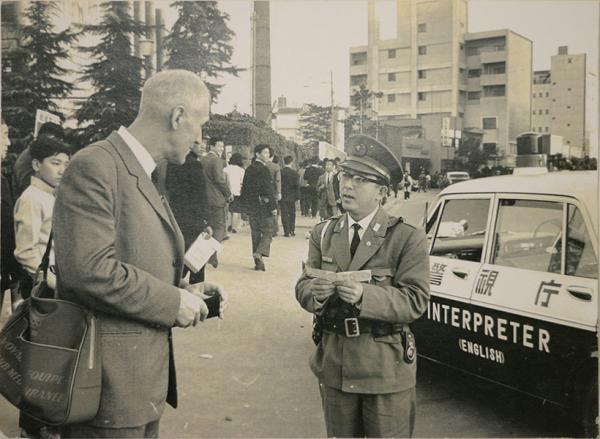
x=299 y=218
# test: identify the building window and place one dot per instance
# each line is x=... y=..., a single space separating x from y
x=547 y=129
x=391 y=77
x=533 y=96
x=358 y=59
x=553 y=100
x=391 y=98
x=473 y=95
x=569 y=89
x=474 y=73
x=422 y=74
x=422 y=27
x=534 y=112
x=421 y=96
x=568 y=124
x=554 y=83
x=547 y=94
x=489 y=123
x=568 y=142
x=358 y=79
x=553 y=117
x=391 y=53
x=570 y=60
x=540 y=95
x=472 y=51
x=489 y=148
x=422 y=50
x=494 y=91
x=568 y=107
x=540 y=129
x=547 y=111
x=495 y=68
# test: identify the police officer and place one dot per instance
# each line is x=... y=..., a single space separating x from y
x=366 y=354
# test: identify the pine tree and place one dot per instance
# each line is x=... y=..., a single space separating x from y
x=315 y=125
x=116 y=74
x=32 y=75
x=200 y=42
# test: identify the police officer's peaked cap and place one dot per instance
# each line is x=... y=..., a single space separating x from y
x=370 y=157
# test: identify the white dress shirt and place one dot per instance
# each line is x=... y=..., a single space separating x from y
x=364 y=223
x=141 y=154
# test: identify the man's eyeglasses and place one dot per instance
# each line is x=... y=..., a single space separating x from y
x=357 y=180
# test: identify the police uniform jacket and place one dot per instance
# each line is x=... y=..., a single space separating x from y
x=396 y=254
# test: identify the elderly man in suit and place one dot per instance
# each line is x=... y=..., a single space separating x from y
x=366 y=354
x=119 y=252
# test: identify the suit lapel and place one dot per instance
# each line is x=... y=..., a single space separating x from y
x=144 y=184
x=372 y=240
x=339 y=243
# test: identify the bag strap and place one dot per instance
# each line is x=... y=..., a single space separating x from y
x=45 y=264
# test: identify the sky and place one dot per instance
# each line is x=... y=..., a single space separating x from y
x=310 y=40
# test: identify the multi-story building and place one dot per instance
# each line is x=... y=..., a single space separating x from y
x=498 y=98
x=558 y=100
x=435 y=67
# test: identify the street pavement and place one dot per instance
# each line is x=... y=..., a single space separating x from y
x=248 y=376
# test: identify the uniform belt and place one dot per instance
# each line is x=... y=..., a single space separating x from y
x=354 y=326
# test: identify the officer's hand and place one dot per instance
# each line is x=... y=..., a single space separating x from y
x=321 y=289
x=349 y=291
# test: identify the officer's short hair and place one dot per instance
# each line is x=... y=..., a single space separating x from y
x=288 y=159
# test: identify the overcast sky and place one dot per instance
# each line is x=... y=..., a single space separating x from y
x=311 y=38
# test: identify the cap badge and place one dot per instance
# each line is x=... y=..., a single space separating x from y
x=360 y=150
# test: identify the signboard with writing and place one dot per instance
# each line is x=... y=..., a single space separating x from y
x=41 y=117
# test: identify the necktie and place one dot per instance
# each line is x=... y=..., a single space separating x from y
x=355 y=239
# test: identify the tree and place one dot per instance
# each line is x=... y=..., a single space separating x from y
x=470 y=152
x=362 y=102
x=31 y=74
x=115 y=75
x=315 y=125
x=200 y=42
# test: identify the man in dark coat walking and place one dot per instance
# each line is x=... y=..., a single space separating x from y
x=258 y=199
x=290 y=193
x=186 y=191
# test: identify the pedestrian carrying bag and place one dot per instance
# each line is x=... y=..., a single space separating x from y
x=50 y=358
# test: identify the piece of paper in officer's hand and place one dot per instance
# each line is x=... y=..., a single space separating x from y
x=356 y=276
x=200 y=252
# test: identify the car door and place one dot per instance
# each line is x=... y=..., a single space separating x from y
x=457 y=231
x=537 y=295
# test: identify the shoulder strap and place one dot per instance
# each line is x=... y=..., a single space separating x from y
x=46 y=258
x=323 y=231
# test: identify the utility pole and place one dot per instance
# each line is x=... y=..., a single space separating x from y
x=332 y=110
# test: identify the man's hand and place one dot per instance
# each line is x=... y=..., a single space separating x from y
x=349 y=291
x=321 y=289
x=211 y=289
x=192 y=309
x=204 y=290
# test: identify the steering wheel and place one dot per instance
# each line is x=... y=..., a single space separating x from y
x=554 y=222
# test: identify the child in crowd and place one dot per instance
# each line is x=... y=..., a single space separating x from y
x=33 y=209
x=33 y=224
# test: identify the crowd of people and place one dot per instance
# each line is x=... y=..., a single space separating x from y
x=121 y=213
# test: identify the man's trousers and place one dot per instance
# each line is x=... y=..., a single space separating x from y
x=260 y=229
x=288 y=216
x=370 y=415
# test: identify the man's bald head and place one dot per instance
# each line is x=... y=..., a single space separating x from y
x=169 y=89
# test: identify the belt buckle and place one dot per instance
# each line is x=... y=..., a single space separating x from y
x=351 y=327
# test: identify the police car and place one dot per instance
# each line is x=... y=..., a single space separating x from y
x=514 y=276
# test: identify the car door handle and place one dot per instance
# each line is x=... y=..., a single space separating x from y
x=582 y=293
x=460 y=272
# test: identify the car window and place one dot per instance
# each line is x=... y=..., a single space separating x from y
x=528 y=235
x=581 y=259
x=462 y=229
